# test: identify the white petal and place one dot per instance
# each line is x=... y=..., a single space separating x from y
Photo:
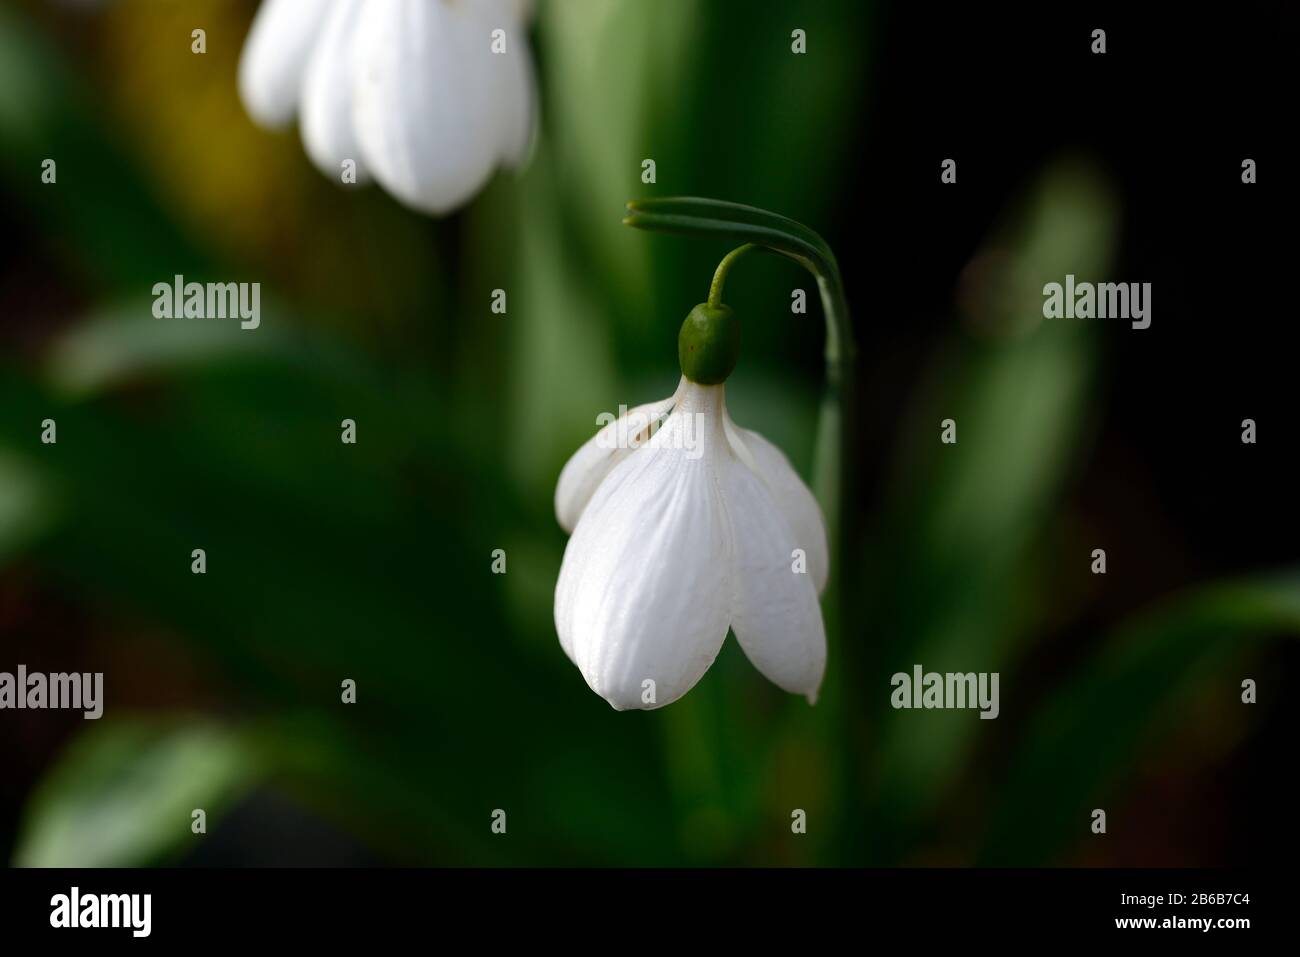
x=424 y=109
x=776 y=617
x=328 y=86
x=596 y=458
x=794 y=499
x=516 y=98
x=644 y=591
x=275 y=56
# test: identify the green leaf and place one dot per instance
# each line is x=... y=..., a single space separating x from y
x=124 y=342
x=562 y=336
x=1095 y=728
x=735 y=221
x=25 y=504
x=961 y=523
x=123 y=793
x=47 y=111
x=600 y=116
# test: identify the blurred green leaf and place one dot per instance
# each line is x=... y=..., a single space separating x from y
x=123 y=793
x=704 y=90
x=598 y=114
x=948 y=573
x=560 y=357
x=1094 y=728
x=125 y=342
x=102 y=215
x=25 y=503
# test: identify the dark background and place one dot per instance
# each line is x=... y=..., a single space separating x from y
x=1169 y=112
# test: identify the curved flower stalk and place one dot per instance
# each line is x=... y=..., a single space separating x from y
x=685 y=525
x=765 y=230
x=427 y=97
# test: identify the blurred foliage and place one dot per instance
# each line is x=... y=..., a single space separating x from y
x=371 y=562
x=952 y=573
x=1127 y=700
x=118 y=793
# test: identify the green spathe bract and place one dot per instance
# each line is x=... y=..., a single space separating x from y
x=708 y=345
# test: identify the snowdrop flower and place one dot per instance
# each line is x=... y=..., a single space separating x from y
x=684 y=525
x=427 y=97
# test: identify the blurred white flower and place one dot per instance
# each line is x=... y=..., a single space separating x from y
x=427 y=97
x=676 y=537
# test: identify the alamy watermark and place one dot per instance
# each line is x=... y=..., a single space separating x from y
x=74 y=909
x=214 y=300
x=931 y=689
x=1103 y=300
x=631 y=429
x=58 y=691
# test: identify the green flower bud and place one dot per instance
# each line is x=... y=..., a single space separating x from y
x=709 y=344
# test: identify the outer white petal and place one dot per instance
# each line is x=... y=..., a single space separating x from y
x=275 y=56
x=596 y=458
x=644 y=591
x=776 y=617
x=328 y=85
x=424 y=110
x=516 y=98
x=794 y=499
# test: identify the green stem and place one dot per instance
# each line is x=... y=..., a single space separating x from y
x=720 y=274
x=828 y=479
x=779 y=234
x=776 y=233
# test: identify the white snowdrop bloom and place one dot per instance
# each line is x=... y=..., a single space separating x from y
x=427 y=97
x=678 y=533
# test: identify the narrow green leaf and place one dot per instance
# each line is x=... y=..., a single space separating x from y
x=741 y=224
x=1096 y=727
x=962 y=522
x=124 y=792
x=720 y=213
